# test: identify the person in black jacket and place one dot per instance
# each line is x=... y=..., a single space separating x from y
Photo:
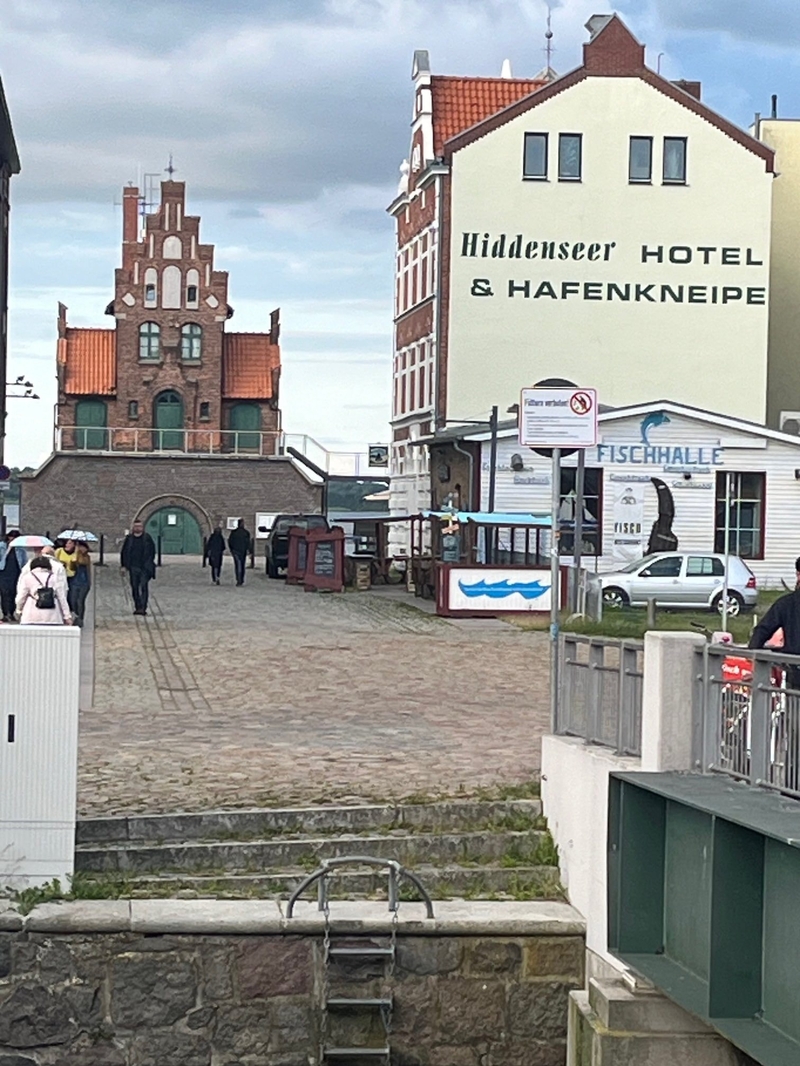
x=783 y=614
x=239 y=544
x=138 y=557
x=215 y=549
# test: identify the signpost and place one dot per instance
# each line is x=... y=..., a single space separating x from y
x=557 y=417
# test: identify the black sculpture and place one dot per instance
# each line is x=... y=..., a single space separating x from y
x=662 y=539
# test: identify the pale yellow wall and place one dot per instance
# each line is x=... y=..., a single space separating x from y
x=711 y=356
x=783 y=380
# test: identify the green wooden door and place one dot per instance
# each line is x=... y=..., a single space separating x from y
x=168 y=422
x=91 y=418
x=246 y=423
x=179 y=531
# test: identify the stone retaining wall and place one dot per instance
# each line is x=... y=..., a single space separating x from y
x=214 y=983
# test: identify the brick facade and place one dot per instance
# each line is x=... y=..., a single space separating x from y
x=106 y=493
x=167 y=281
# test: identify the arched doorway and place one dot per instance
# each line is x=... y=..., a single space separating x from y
x=168 y=422
x=245 y=421
x=179 y=531
x=91 y=418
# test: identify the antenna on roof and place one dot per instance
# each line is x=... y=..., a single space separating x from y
x=548 y=36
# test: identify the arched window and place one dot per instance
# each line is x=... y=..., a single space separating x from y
x=149 y=341
x=151 y=287
x=171 y=292
x=191 y=341
x=173 y=249
x=192 y=288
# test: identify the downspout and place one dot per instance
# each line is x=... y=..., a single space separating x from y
x=471 y=459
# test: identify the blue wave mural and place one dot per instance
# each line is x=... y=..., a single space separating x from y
x=499 y=590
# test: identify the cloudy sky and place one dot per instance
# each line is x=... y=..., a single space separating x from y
x=288 y=120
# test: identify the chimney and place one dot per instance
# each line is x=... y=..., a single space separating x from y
x=506 y=69
x=130 y=214
x=774 y=106
x=62 y=320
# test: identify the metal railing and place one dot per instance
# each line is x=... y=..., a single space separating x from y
x=396 y=873
x=748 y=705
x=134 y=439
x=600 y=696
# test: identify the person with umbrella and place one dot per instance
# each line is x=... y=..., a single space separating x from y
x=12 y=560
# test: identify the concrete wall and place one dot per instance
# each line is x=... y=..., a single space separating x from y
x=630 y=351
x=191 y=983
x=105 y=493
x=575 y=800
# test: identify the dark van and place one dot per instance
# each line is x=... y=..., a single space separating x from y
x=277 y=547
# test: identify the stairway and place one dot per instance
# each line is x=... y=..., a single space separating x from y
x=475 y=849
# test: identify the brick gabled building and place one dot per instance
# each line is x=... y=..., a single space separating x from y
x=168 y=376
x=443 y=107
x=168 y=416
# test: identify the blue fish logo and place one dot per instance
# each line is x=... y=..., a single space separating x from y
x=499 y=590
x=658 y=418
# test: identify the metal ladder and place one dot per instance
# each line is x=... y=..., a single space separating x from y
x=363 y=952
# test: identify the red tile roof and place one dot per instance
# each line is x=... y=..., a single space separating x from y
x=88 y=357
x=459 y=103
x=249 y=365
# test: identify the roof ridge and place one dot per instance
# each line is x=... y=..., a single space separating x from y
x=485 y=77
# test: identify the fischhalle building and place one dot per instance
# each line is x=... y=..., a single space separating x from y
x=169 y=416
x=605 y=226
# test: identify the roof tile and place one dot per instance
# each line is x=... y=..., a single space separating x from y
x=459 y=103
x=89 y=360
x=248 y=364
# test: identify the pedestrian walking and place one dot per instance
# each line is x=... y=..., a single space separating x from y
x=40 y=600
x=58 y=569
x=138 y=557
x=67 y=554
x=82 y=581
x=784 y=615
x=215 y=549
x=12 y=561
x=239 y=543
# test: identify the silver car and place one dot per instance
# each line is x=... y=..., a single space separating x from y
x=681 y=579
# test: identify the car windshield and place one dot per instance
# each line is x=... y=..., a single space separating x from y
x=632 y=567
x=283 y=525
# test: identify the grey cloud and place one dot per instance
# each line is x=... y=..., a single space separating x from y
x=776 y=22
x=260 y=100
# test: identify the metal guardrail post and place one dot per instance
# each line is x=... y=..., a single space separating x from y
x=567 y=650
x=626 y=711
x=698 y=709
x=595 y=693
x=760 y=722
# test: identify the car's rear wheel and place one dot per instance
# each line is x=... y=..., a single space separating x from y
x=615 y=598
x=272 y=568
x=735 y=603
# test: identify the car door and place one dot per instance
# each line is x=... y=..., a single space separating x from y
x=659 y=580
x=704 y=576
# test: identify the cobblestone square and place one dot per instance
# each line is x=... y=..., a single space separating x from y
x=265 y=694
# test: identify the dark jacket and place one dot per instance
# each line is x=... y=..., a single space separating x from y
x=239 y=541
x=139 y=553
x=783 y=614
x=215 y=548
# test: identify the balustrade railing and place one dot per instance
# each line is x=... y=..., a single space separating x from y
x=135 y=439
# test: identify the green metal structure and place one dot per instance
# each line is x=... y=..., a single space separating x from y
x=703 y=894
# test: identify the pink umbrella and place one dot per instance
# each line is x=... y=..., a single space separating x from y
x=31 y=540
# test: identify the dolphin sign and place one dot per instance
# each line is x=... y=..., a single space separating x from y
x=499 y=590
x=657 y=418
